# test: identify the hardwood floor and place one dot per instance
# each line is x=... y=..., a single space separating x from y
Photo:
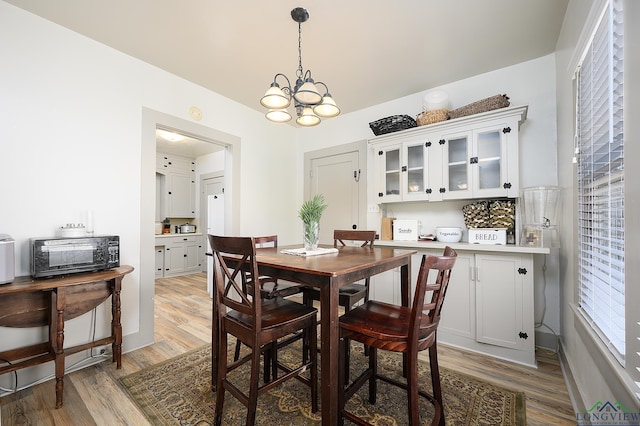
x=94 y=396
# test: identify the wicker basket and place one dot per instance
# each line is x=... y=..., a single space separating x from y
x=476 y=215
x=502 y=214
x=391 y=124
x=488 y=104
x=433 y=116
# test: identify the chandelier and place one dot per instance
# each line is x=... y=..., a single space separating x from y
x=310 y=105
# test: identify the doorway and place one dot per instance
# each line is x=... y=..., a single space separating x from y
x=150 y=121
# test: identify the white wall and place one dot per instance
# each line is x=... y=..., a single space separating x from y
x=72 y=112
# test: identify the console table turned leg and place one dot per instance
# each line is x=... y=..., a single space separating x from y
x=59 y=301
x=116 y=326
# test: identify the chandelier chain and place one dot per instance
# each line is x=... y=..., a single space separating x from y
x=299 y=73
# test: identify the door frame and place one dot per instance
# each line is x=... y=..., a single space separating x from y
x=361 y=148
x=150 y=120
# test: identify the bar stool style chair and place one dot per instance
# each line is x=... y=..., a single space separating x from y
x=400 y=329
x=350 y=294
x=270 y=288
x=257 y=322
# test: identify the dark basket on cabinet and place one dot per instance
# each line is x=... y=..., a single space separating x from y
x=391 y=124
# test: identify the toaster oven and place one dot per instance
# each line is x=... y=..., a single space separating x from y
x=61 y=256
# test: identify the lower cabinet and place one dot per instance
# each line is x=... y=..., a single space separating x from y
x=182 y=255
x=489 y=303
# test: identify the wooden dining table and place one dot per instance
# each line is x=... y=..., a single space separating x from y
x=328 y=272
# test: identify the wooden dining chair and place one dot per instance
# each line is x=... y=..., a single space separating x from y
x=405 y=329
x=257 y=322
x=270 y=288
x=350 y=294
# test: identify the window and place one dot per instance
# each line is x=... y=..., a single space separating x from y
x=600 y=157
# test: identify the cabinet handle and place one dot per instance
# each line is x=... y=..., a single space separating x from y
x=380 y=194
x=404 y=168
x=477 y=274
x=473 y=160
x=427 y=144
x=507 y=185
x=441 y=141
x=184 y=255
x=169 y=192
x=380 y=152
x=506 y=130
x=428 y=190
x=442 y=190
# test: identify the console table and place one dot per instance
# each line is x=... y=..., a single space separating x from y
x=28 y=302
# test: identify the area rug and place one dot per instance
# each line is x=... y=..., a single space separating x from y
x=178 y=392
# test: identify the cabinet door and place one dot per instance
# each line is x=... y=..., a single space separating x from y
x=389 y=170
x=489 y=163
x=192 y=257
x=159 y=261
x=174 y=259
x=181 y=195
x=456 y=155
x=459 y=308
x=415 y=171
x=504 y=297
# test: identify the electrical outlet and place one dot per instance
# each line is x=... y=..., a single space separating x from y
x=373 y=208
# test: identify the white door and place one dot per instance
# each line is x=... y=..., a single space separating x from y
x=337 y=177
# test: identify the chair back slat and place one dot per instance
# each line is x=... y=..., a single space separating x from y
x=426 y=312
x=341 y=235
x=234 y=256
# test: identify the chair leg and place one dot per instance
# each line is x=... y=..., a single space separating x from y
x=341 y=382
x=312 y=332
x=412 y=389
x=373 y=366
x=253 y=388
x=222 y=375
x=435 y=379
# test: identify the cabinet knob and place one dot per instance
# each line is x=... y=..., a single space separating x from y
x=507 y=185
x=441 y=141
x=506 y=130
x=473 y=160
x=428 y=190
x=442 y=190
x=427 y=144
x=380 y=194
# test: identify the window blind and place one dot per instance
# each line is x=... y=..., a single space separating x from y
x=599 y=130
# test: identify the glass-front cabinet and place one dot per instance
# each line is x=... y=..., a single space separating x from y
x=477 y=164
x=465 y=158
x=404 y=171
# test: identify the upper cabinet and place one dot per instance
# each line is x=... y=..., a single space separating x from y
x=469 y=157
x=178 y=186
x=403 y=170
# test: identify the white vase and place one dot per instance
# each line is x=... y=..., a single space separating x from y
x=311 y=235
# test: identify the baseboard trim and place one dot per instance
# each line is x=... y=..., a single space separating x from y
x=572 y=386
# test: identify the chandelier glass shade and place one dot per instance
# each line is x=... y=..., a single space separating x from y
x=310 y=103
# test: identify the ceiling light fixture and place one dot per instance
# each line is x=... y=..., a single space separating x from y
x=310 y=105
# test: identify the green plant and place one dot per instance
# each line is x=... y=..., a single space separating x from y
x=311 y=210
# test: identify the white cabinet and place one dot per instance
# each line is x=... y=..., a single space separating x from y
x=403 y=170
x=488 y=306
x=469 y=157
x=181 y=254
x=481 y=162
x=181 y=192
x=176 y=177
x=159 y=261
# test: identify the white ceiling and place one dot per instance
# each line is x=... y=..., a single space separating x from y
x=366 y=51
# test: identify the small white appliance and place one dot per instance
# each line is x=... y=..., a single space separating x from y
x=7 y=259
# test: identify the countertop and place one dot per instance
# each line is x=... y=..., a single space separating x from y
x=177 y=235
x=425 y=245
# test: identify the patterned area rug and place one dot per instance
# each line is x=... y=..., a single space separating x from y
x=177 y=392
